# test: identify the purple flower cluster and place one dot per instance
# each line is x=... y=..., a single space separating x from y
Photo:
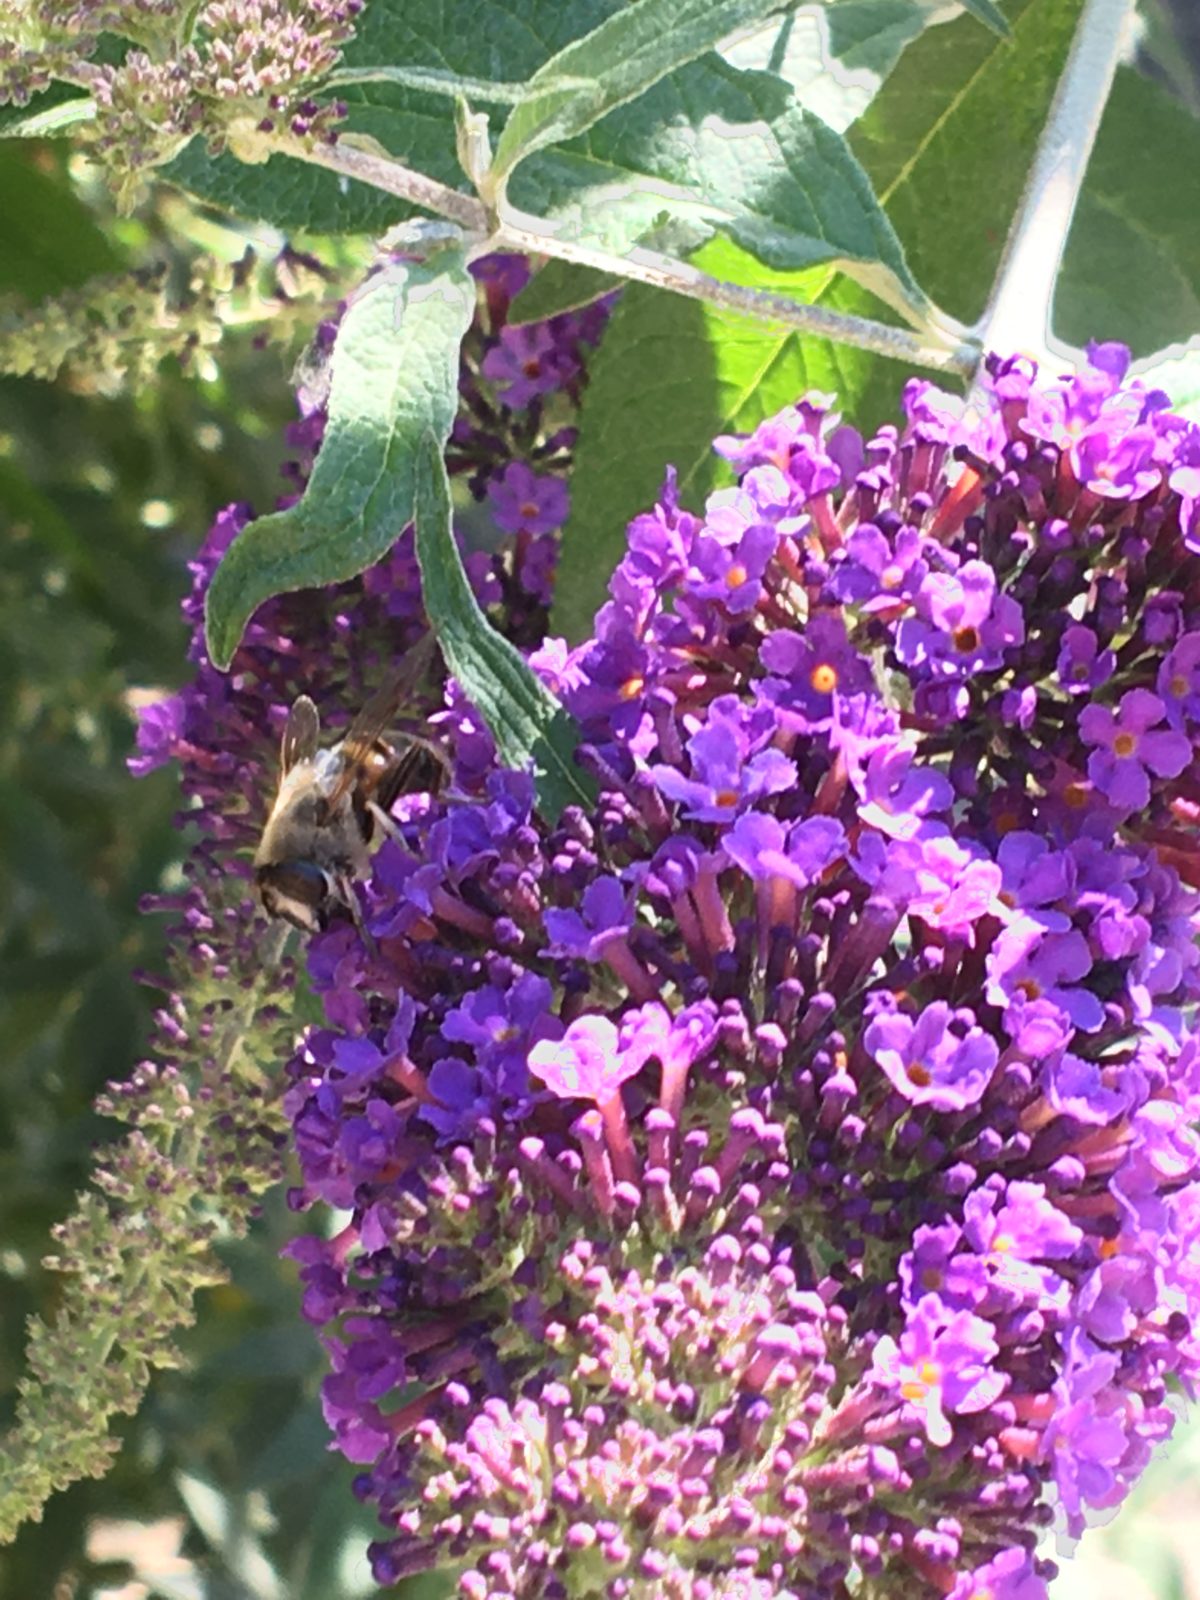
x=781 y=1177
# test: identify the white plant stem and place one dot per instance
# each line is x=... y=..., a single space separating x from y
x=1017 y=319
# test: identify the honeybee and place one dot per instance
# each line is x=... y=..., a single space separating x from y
x=333 y=805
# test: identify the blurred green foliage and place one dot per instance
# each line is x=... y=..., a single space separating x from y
x=102 y=500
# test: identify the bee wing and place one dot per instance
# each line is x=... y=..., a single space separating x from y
x=300 y=734
x=376 y=717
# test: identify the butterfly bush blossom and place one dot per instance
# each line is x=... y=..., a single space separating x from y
x=778 y=1178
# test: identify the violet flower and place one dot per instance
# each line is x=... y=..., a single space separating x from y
x=1131 y=747
x=812 y=1193
x=941 y=1060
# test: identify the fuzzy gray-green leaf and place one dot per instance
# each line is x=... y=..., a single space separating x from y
x=394 y=380
x=724 y=151
x=618 y=61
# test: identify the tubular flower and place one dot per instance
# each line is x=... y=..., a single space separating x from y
x=780 y=1178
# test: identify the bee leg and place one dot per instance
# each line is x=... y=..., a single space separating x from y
x=350 y=901
x=385 y=821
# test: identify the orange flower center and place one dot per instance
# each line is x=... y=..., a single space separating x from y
x=736 y=577
x=924 y=1377
x=1124 y=744
x=632 y=687
x=823 y=678
x=966 y=640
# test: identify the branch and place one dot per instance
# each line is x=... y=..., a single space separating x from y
x=1017 y=317
x=944 y=351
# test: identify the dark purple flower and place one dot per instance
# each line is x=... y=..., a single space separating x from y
x=1095 y=1436
x=764 y=848
x=898 y=797
x=1015 y=1230
x=875 y=572
x=1028 y=963
x=587 y=1063
x=1117 y=465
x=522 y=499
x=728 y=562
x=771 y=443
x=1185 y=481
x=160 y=731
x=1012 y=1575
x=1079 y=1089
x=731 y=765
x=1082 y=665
x=1038 y=880
x=530 y=360
x=1178 y=682
x=963 y=624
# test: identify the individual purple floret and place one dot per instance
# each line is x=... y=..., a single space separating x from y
x=942 y=1059
x=1082 y=665
x=1131 y=746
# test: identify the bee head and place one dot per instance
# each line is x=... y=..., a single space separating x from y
x=297 y=891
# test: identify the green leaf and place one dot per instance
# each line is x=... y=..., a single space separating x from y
x=669 y=375
x=730 y=151
x=393 y=380
x=50 y=240
x=291 y=195
x=59 y=100
x=862 y=38
x=714 y=147
x=528 y=724
x=559 y=287
x=48 y=122
x=483 y=91
x=615 y=63
x=930 y=144
x=1132 y=265
x=950 y=137
x=989 y=13
x=869 y=35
